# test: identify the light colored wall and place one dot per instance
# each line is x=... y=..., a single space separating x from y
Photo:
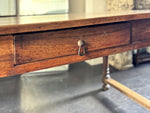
x=7 y=7
x=76 y=6
x=99 y=6
x=88 y=6
x=33 y=7
x=120 y=5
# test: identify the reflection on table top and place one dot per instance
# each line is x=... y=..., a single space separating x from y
x=9 y=25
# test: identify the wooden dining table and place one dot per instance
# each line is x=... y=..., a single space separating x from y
x=30 y=43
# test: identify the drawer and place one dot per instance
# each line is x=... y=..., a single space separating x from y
x=40 y=46
x=140 y=30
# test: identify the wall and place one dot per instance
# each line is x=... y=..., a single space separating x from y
x=34 y=7
x=95 y=6
x=76 y=6
x=88 y=6
x=142 y=4
x=119 y=5
x=7 y=7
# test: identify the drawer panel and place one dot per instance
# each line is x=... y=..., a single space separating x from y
x=140 y=30
x=53 y=44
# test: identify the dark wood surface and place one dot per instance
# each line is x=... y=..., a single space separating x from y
x=19 y=69
x=141 y=29
x=53 y=44
x=11 y=25
x=34 y=43
x=140 y=57
x=6 y=55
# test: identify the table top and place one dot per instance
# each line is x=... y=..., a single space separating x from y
x=11 y=25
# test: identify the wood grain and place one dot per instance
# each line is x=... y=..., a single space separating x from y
x=6 y=55
x=131 y=94
x=12 y=25
x=140 y=30
x=36 y=44
x=40 y=46
x=19 y=69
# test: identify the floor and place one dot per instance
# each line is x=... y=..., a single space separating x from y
x=75 y=91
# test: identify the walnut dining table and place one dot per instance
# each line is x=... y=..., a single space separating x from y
x=30 y=43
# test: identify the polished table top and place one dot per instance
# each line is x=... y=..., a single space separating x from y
x=10 y=25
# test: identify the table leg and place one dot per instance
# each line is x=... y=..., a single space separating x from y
x=106 y=73
x=120 y=87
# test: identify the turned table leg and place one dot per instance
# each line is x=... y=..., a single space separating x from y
x=120 y=87
x=106 y=73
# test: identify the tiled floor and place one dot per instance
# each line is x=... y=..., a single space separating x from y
x=74 y=91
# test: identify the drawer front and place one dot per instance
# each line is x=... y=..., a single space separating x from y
x=140 y=30
x=53 y=44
